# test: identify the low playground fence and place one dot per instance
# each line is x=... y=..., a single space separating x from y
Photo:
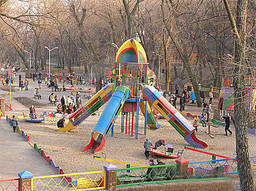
x=76 y=181
x=10 y=185
x=194 y=171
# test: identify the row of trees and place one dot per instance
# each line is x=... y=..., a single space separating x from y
x=176 y=32
x=199 y=40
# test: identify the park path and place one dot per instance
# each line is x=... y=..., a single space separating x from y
x=17 y=155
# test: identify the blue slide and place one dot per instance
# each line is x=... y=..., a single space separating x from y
x=107 y=119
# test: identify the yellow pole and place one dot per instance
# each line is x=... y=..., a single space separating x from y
x=116 y=161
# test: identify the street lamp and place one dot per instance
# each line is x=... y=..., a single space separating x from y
x=50 y=58
x=29 y=58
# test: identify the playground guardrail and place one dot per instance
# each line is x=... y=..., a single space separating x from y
x=76 y=181
x=194 y=171
x=171 y=173
x=10 y=185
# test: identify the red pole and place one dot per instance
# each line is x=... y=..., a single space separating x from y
x=126 y=123
x=132 y=123
x=129 y=123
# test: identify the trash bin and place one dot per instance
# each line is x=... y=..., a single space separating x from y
x=2 y=107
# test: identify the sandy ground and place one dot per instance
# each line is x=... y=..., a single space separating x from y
x=17 y=155
x=66 y=148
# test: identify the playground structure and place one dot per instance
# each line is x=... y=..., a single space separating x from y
x=128 y=95
x=207 y=153
x=227 y=93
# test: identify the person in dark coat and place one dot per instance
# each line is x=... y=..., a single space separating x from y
x=182 y=103
x=159 y=143
x=14 y=123
x=60 y=123
x=227 y=124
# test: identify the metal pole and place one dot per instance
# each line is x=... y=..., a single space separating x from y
x=49 y=64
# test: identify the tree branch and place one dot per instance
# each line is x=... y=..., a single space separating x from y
x=232 y=19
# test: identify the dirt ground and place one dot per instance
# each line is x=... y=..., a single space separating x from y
x=66 y=148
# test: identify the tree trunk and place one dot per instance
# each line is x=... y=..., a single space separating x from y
x=240 y=110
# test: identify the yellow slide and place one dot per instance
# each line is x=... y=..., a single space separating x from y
x=90 y=107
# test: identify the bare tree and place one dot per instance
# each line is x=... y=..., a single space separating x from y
x=240 y=111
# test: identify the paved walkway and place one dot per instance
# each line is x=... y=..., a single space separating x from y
x=17 y=155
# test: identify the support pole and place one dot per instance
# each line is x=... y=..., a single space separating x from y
x=129 y=123
x=132 y=123
x=146 y=117
x=137 y=118
x=122 y=122
x=126 y=117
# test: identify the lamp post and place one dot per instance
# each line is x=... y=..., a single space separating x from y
x=29 y=58
x=50 y=58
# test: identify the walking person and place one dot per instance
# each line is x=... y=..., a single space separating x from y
x=182 y=102
x=14 y=123
x=147 y=146
x=227 y=124
x=206 y=111
x=39 y=83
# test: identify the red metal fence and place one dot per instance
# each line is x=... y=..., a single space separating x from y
x=10 y=185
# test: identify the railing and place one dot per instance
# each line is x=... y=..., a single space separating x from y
x=144 y=175
x=10 y=185
x=205 y=170
x=77 y=181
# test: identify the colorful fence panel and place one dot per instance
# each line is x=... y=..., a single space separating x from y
x=10 y=185
x=77 y=181
x=205 y=170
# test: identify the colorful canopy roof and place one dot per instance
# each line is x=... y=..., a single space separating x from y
x=131 y=51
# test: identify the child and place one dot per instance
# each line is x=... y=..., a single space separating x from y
x=147 y=146
x=195 y=122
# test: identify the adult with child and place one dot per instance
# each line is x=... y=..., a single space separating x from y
x=147 y=147
x=14 y=123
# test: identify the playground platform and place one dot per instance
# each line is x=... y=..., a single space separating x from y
x=18 y=155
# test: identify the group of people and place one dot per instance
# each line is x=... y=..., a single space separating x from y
x=69 y=105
